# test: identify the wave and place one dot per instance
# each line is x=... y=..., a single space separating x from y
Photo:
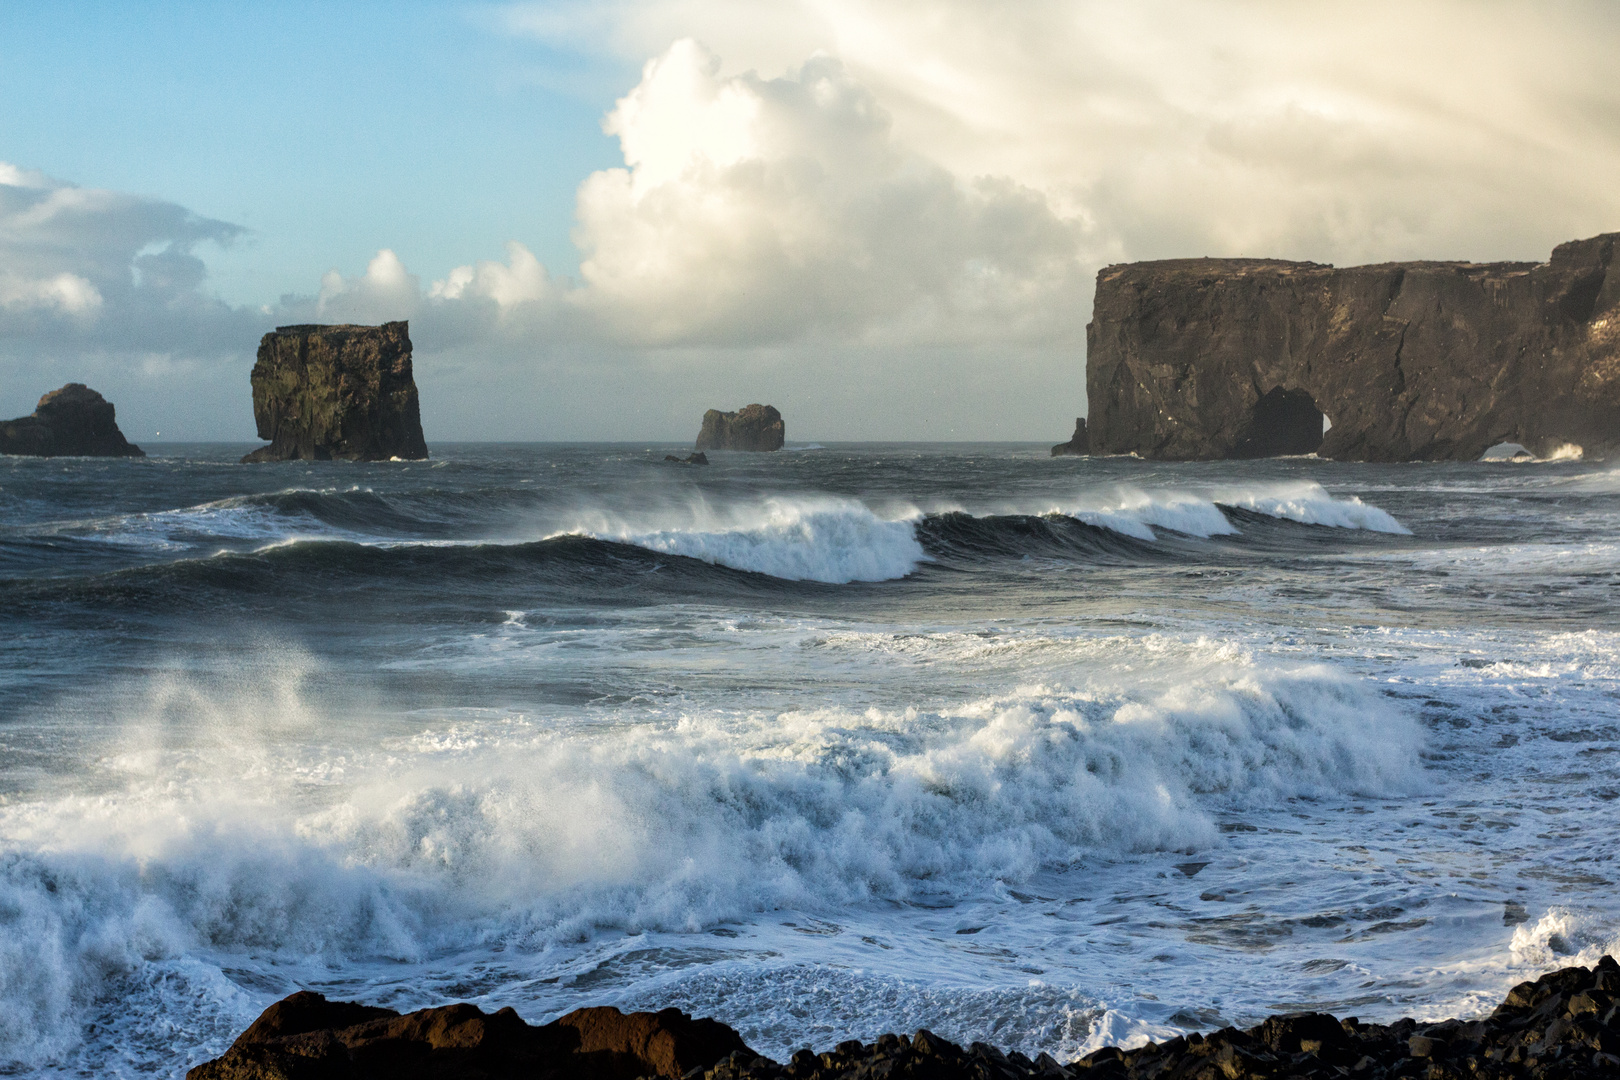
x=249 y=848
x=835 y=541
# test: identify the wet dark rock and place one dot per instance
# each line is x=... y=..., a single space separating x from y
x=1079 y=443
x=306 y=1037
x=74 y=421
x=337 y=392
x=699 y=458
x=1199 y=359
x=1563 y=1026
x=753 y=427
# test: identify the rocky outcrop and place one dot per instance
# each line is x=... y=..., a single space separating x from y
x=1079 y=443
x=306 y=1037
x=753 y=427
x=1563 y=1026
x=698 y=458
x=74 y=421
x=1194 y=359
x=337 y=392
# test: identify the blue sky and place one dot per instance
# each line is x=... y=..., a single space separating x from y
x=327 y=129
x=603 y=217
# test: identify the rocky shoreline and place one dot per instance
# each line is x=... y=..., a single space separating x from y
x=1563 y=1025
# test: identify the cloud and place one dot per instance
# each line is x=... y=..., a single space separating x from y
x=1344 y=133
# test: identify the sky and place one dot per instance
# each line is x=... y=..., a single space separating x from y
x=602 y=218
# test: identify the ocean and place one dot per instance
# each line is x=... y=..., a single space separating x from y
x=1048 y=753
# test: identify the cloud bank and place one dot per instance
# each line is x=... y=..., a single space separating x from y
x=885 y=218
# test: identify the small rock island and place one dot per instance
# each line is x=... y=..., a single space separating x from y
x=323 y=393
x=74 y=421
x=1209 y=359
x=753 y=427
x=1079 y=444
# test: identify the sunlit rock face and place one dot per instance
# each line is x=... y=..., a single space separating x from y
x=1195 y=359
x=74 y=421
x=337 y=392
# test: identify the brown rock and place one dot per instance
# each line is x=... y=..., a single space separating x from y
x=753 y=427
x=1194 y=359
x=74 y=421
x=344 y=392
x=306 y=1037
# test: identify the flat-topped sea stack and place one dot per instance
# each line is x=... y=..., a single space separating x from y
x=1198 y=359
x=337 y=392
x=753 y=427
x=74 y=421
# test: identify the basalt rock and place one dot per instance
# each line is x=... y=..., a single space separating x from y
x=1563 y=1026
x=699 y=458
x=337 y=392
x=1195 y=359
x=753 y=427
x=1079 y=443
x=306 y=1037
x=74 y=421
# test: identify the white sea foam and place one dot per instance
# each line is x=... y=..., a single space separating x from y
x=255 y=842
x=1135 y=512
x=802 y=539
x=1308 y=503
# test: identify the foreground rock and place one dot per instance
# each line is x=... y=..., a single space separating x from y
x=1231 y=358
x=304 y=1037
x=753 y=427
x=699 y=458
x=1563 y=1025
x=1079 y=443
x=74 y=421
x=337 y=392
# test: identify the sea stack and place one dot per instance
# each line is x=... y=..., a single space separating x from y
x=1079 y=443
x=74 y=421
x=337 y=392
x=753 y=427
x=1200 y=359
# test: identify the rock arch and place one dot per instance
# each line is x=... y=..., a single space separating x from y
x=1413 y=361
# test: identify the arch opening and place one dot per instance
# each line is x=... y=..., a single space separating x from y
x=1282 y=422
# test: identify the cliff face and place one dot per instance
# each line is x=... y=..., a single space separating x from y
x=754 y=427
x=1219 y=358
x=324 y=392
x=74 y=421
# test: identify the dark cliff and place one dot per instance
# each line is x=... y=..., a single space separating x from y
x=346 y=392
x=74 y=421
x=1220 y=358
x=753 y=427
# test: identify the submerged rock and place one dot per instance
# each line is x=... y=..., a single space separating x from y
x=1079 y=443
x=699 y=458
x=1196 y=359
x=1563 y=1026
x=753 y=427
x=337 y=392
x=74 y=421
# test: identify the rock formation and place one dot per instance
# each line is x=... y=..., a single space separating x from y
x=698 y=458
x=754 y=427
x=306 y=1037
x=74 y=421
x=324 y=392
x=1193 y=359
x=1079 y=443
x=1563 y=1026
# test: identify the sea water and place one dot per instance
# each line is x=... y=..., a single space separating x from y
x=824 y=743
